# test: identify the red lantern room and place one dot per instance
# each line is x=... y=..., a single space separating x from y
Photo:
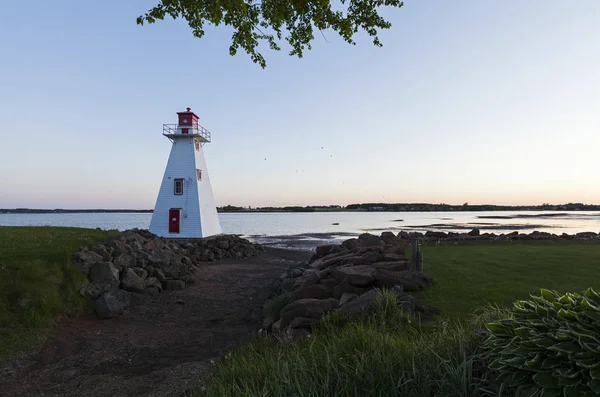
x=188 y=118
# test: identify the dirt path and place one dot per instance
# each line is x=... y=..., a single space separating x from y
x=162 y=346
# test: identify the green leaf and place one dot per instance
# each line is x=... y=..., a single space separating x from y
x=545 y=380
x=594 y=385
x=574 y=391
x=551 y=392
x=567 y=347
x=523 y=332
x=497 y=328
x=595 y=373
x=549 y=295
x=551 y=363
x=591 y=294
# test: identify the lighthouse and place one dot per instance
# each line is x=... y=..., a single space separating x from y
x=185 y=207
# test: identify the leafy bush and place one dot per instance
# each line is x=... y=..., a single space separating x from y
x=551 y=346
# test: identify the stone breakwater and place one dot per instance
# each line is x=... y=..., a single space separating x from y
x=476 y=234
x=344 y=278
x=138 y=261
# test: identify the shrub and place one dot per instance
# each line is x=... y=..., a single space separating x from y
x=550 y=346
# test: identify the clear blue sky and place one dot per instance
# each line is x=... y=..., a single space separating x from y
x=468 y=101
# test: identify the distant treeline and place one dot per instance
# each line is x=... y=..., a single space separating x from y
x=416 y=207
x=63 y=211
x=365 y=207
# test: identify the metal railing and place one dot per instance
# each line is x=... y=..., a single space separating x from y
x=195 y=130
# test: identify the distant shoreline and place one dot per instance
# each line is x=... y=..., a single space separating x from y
x=368 y=207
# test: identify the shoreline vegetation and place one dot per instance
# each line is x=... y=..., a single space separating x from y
x=364 y=207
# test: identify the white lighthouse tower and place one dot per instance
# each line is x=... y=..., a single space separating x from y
x=185 y=207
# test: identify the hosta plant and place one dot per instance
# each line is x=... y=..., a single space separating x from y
x=550 y=346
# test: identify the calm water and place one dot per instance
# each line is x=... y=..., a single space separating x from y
x=288 y=224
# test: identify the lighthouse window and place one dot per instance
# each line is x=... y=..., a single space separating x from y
x=178 y=186
x=199 y=172
x=197 y=142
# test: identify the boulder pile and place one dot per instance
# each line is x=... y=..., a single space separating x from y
x=344 y=278
x=139 y=261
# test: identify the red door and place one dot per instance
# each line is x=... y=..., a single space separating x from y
x=174 y=220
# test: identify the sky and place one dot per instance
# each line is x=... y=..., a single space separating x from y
x=485 y=102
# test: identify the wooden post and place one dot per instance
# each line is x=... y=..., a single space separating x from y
x=417 y=256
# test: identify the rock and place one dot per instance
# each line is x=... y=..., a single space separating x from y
x=311 y=308
x=153 y=282
x=104 y=272
x=344 y=287
x=276 y=327
x=223 y=244
x=111 y=304
x=159 y=275
x=267 y=322
x=392 y=257
x=323 y=250
x=390 y=238
x=433 y=234
x=142 y=273
x=173 y=284
x=295 y=272
x=407 y=303
x=87 y=256
x=369 y=240
x=371 y=257
x=393 y=266
x=409 y=280
x=350 y=244
x=132 y=282
x=83 y=260
x=317 y=291
x=310 y=279
x=474 y=233
x=359 y=276
x=330 y=260
x=347 y=297
x=363 y=302
x=101 y=250
x=123 y=261
x=95 y=290
x=303 y=322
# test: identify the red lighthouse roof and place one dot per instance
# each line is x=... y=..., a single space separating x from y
x=188 y=118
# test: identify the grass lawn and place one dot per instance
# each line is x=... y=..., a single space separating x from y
x=470 y=275
x=37 y=283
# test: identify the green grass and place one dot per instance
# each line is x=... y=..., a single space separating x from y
x=37 y=283
x=471 y=275
x=383 y=355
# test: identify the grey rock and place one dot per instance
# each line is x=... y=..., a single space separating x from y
x=103 y=272
x=111 y=304
x=222 y=244
x=153 y=282
x=363 y=302
x=159 y=275
x=311 y=308
x=347 y=297
x=95 y=290
x=303 y=322
x=316 y=291
x=132 y=282
x=409 y=280
x=359 y=276
x=142 y=273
